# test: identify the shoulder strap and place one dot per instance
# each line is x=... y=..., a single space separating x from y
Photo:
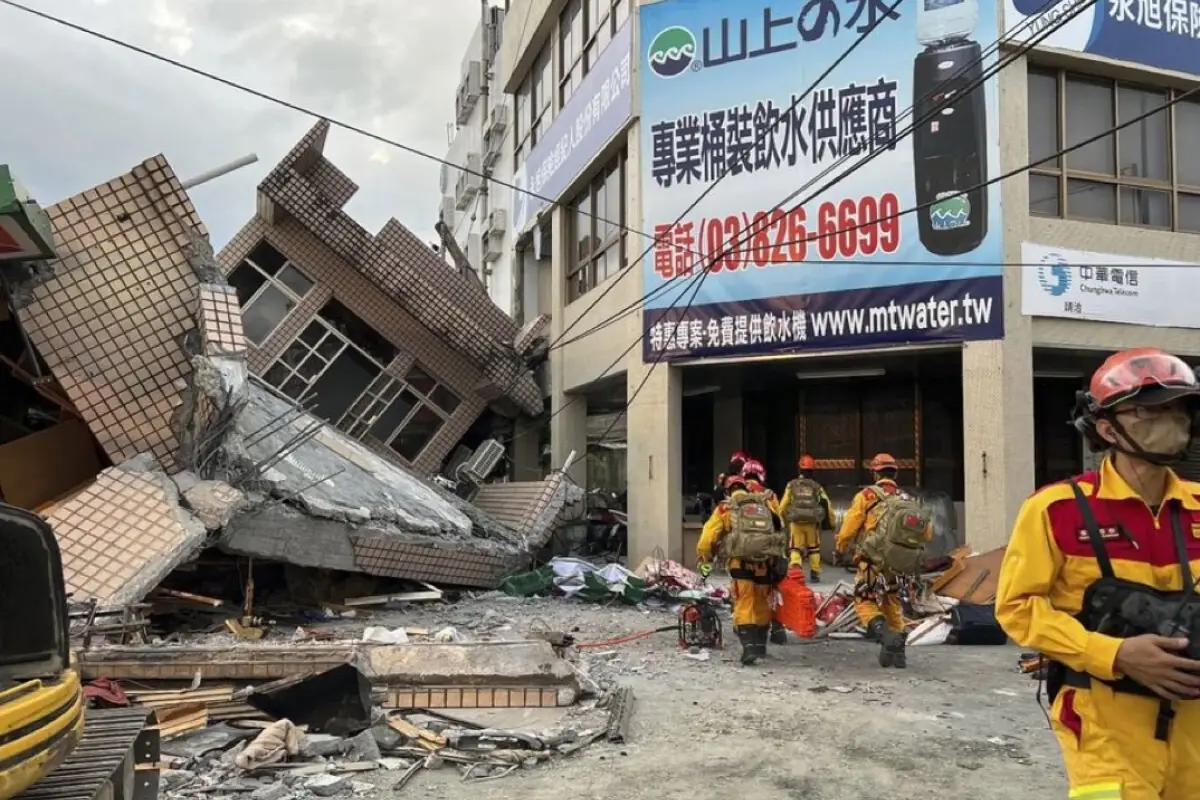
x=1093 y=531
x=1181 y=551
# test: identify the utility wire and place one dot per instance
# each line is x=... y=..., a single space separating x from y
x=292 y=106
x=667 y=286
x=703 y=274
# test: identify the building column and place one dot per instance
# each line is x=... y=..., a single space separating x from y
x=998 y=438
x=568 y=420
x=727 y=428
x=655 y=474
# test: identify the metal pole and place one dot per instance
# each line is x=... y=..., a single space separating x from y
x=205 y=177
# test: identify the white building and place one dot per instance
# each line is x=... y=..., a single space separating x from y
x=477 y=211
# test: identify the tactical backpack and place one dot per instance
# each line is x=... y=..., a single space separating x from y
x=897 y=543
x=804 y=502
x=752 y=535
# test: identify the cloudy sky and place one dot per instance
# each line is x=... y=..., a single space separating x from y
x=79 y=111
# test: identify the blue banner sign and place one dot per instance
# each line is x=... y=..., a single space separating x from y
x=906 y=248
x=599 y=108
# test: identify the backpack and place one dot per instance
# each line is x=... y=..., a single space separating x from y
x=897 y=543
x=804 y=502
x=752 y=535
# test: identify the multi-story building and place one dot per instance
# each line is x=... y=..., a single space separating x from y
x=373 y=333
x=474 y=210
x=833 y=263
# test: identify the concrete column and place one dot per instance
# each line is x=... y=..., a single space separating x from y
x=727 y=427
x=654 y=456
x=568 y=421
x=998 y=436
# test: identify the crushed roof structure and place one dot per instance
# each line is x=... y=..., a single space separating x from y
x=309 y=188
x=140 y=330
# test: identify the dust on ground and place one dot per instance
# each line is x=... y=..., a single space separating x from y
x=818 y=720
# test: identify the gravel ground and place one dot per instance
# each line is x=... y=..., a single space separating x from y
x=817 y=720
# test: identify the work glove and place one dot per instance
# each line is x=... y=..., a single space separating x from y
x=705 y=569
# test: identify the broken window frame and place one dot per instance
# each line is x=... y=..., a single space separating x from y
x=271 y=281
x=387 y=390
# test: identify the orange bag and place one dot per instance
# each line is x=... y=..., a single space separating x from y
x=798 y=613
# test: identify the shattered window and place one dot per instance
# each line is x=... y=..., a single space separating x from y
x=420 y=429
x=266 y=312
x=360 y=334
x=393 y=415
x=422 y=383
x=268 y=287
x=419 y=379
x=347 y=377
x=445 y=399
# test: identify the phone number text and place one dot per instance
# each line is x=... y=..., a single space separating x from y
x=847 y=229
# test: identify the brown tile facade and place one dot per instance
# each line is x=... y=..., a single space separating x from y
x=220 y=319
x=110 y=321
x=334 y=278
x=475 y=697
x=447 y=563
x=307 y=188
x=111 y=531
x=435 y=317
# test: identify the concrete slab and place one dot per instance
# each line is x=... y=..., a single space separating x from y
x=527 y=663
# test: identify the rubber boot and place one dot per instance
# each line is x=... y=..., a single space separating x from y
x=745 y=634
x=759 y=641
x=878 y=631
x=899 y=654
x=778 y=633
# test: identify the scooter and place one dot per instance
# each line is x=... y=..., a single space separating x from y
x=607 y=526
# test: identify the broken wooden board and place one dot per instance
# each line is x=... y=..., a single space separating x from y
x=261 y=663
x=968 y=583
x=420 y=736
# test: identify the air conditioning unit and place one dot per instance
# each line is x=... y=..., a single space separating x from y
x=491 y=149
x=470 y=180
x=498 y=122
x=493 y=248
x=469 y=92
x=493 y=34
x=497 y=224
x=449 y=209
x=482 y=463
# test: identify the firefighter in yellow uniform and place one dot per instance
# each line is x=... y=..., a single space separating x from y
x=753 y=582
x=876 y=593
x=806 y=508
x=1125 y=698
x=755 y=475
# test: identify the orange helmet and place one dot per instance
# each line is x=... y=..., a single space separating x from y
x=807 y=462
x=1148 y=374
x=754 y=468
x=883 y=461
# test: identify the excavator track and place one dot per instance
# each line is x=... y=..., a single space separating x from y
x=117 y=759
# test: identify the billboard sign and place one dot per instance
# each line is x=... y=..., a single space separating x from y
x=855 y=266
x=1103 y=287
x=1157 y=33
x=598 y=109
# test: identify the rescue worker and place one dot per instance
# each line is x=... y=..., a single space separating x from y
x=753 y=584
x=806 y=491
x=736 y=462
x=876 y=594
x=755 y=475
x=1124 y=704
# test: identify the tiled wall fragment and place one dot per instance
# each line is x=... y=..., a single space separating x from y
x=220 y=319
x=110 y=322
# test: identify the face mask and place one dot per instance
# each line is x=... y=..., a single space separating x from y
x=1168 y=434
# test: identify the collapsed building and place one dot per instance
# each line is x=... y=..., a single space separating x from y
x=143 y=416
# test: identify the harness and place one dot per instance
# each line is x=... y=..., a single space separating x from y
x=1117 y=607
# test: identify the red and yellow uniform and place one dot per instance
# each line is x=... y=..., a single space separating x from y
x=752 y=585
x=862 y=517
x=805 y=537
x=1107 y=737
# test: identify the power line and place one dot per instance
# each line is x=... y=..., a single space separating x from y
x=700 y=278
x=994 y=47
x=288 y=104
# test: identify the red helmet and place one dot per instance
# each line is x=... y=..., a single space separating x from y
x=754 y=468
x=1147 y=374
x=734 y=481
x=807 y=462
x=883 y=461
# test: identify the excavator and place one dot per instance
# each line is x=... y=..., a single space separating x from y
x=52 y=747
